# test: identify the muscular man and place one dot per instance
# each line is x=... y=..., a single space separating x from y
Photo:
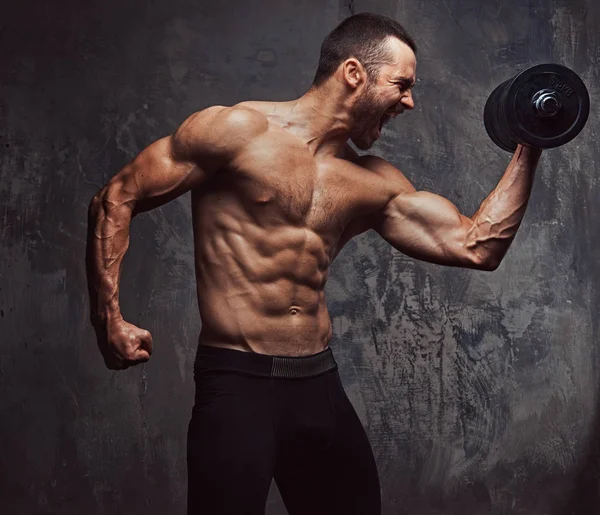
x=276 y=193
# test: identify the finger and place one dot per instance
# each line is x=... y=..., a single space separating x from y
x=139 y=356
x=146 y=342
x=142 y=356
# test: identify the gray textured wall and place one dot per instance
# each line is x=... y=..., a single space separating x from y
x=479 y=390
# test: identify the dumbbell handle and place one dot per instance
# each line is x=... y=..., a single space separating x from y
x=546 y=103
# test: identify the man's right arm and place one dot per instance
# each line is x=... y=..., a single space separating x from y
x=431 y=228
x=166 y=169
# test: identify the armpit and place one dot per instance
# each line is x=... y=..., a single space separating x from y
x=349 y=154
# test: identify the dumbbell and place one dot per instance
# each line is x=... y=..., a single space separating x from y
x=544 y=106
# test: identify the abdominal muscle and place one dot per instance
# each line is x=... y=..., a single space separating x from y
x=260 y=285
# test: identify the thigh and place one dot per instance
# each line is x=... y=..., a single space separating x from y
x=339 y=478
x=230 y=445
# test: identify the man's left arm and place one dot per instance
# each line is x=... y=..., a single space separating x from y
x=429 y=227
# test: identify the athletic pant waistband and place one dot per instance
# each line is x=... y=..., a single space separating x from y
x=218 y=358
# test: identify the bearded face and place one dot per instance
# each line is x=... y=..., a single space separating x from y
x=368 y=117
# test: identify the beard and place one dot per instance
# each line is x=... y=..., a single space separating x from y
x=367 y=116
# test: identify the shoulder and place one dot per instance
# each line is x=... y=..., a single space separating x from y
x=219 y=129
x=236 y=118
x=386 y=184
x=240 y=117
x=376 y=164
x=393 y=177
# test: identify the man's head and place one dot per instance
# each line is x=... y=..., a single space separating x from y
x=373 y=58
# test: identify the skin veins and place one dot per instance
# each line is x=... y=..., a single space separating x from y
x=276 y=193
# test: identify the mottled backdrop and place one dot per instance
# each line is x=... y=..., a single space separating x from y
x=479 y=391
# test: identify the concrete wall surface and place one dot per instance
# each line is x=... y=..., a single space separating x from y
x=479 y=391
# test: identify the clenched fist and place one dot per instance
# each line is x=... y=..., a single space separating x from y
x=123 y=344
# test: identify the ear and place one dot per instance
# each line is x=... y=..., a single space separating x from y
x=353 y=72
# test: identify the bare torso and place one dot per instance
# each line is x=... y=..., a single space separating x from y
x=266 y=230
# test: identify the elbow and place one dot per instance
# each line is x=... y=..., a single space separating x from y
x=488 y=264
x=100 y=203
x=112 y=198
x=97 y=198
x=95 y=204
x=483 y=255
x=102 y=195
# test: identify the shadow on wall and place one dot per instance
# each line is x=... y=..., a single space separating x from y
x=585 y=498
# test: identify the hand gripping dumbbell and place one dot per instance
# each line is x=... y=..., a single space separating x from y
x=544 y=106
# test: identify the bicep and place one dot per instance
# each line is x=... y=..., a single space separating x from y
x=157 y=175
x=178 y=163
x=428 y=227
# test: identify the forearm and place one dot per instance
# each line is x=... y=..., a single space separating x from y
x=497 y=220
x=109 y=217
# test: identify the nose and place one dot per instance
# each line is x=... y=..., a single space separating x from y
x=408 y=101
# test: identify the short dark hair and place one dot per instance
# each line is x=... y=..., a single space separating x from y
x=361 y=36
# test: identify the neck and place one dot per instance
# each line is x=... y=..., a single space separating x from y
x=321 y=117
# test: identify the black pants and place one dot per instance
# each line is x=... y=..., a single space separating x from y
x=260 y=417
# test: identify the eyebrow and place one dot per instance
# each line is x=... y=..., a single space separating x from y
x=405 y=81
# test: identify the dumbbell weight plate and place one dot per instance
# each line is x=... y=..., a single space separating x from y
x=494 y=120
x=524 y=123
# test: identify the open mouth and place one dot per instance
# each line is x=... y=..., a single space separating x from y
x=386 y=117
